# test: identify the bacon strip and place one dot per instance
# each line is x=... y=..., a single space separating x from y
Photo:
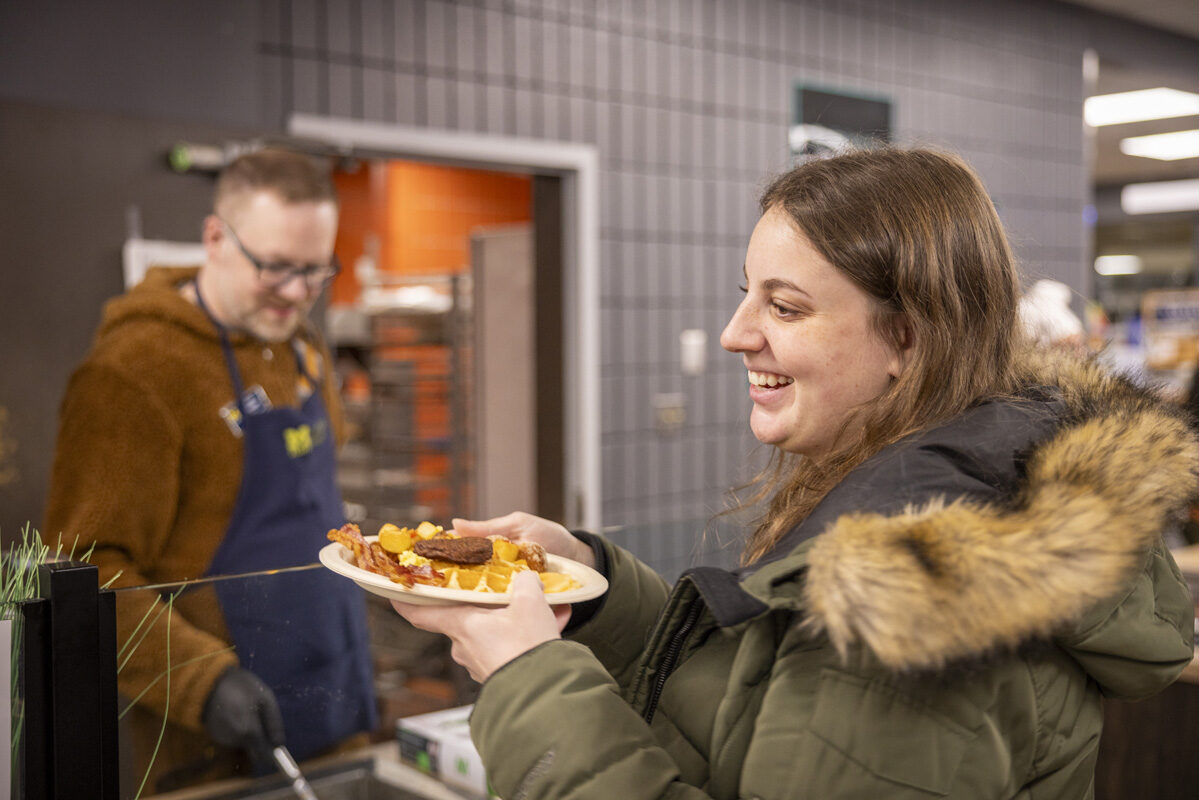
x=370 y=556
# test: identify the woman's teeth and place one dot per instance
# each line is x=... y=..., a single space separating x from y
x=769 y=379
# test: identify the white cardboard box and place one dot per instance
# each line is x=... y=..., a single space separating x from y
x=439 y=744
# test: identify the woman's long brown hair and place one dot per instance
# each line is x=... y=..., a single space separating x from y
x=916 y=230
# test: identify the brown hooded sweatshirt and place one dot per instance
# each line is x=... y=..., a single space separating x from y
x=148 y=469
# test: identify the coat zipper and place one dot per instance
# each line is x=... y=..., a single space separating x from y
x=669 y=659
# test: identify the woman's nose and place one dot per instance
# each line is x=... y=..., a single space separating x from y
x=739 y=335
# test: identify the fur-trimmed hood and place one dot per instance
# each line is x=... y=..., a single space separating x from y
x=1018 y=521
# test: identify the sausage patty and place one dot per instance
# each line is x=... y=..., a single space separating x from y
x=467 y=550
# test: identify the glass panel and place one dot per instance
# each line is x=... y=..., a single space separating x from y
x=168 y=678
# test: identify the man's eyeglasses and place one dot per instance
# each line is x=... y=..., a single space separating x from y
x=274 y=274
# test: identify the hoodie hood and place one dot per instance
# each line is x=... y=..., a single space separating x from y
x=1017 y=521
x=157 y=298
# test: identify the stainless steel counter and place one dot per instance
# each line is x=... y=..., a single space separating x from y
x=374 y=773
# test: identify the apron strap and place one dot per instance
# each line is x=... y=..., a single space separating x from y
x=230 y=361
x=297 y=347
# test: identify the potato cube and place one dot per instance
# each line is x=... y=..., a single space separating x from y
x=394 y=539
x=427 y=530
x=500 y=568
x=463 y=579
x=505 y=550
x=557 y=582
x=497 y=582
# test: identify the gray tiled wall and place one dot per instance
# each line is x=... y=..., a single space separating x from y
x=688 y=103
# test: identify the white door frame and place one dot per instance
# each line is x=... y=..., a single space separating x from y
x=578 y=166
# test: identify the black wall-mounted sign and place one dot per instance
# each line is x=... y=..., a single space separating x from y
x=826 y=121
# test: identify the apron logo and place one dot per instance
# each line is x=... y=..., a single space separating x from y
x=300 y=440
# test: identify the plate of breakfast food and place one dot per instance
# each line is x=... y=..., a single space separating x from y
x=432 y=566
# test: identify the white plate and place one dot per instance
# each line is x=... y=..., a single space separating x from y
x=341 y=560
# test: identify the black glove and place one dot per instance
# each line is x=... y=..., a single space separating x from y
x=242 y=712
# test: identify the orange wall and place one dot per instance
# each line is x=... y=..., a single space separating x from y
x=422 y=214
x=363 y=196
x=433 y=209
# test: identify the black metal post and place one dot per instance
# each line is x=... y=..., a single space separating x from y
x=33 y=778
x=106 y=671
x=68 y=680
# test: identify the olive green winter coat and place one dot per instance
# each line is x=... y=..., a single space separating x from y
x=944 y=624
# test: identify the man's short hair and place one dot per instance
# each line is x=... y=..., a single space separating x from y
x=293 y=177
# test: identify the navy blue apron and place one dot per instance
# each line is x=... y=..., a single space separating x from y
x=303 y=633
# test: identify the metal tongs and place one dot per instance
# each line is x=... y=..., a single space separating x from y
x=288 y=766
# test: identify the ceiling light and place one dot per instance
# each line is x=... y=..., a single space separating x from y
x=1161 y=197
x=1163 y=146
x=1159 y=103
x=1118 y=265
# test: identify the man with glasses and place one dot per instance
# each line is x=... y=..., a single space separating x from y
x=196 y=443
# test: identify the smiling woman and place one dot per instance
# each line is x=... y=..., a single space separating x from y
x=905 y=262
x=960 y=557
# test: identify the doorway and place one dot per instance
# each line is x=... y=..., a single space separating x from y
x=414 y=672
x=453 y=399
x=564 y=177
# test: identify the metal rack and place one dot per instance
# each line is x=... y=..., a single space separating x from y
x=408 y=458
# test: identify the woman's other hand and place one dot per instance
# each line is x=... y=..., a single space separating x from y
x=519 y=526
x=486 y=638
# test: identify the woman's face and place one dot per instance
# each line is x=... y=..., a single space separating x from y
x=805 y=334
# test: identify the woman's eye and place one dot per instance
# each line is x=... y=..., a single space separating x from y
x=783 y=312
x=744 y=289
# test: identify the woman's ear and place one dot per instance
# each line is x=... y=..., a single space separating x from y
x=904 y=340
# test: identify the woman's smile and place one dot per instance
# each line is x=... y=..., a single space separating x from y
x=769 y=379
x=768 y=387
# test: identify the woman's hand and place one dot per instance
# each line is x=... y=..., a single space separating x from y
x=486 y=638
x=519 y=526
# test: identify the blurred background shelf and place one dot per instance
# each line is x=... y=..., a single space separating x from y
x=405 y=376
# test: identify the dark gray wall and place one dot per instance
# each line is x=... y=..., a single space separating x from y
x=69 y=179
x=688 y=104
x=177 y=60
x=91 y=97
